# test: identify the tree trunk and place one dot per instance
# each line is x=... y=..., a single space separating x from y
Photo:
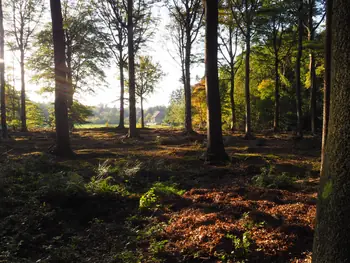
x=188 y=93
x=232 y=100
x=215 y=147
x=121 y=72
x=61 y=111
x=332 y=233
x=248 y=134
x=277 y=81
x=23 y=94
x=327 y=76
x=297 y=71
x=232 y=80
x=70 y=84
x=312 y=70
x=142 y=114
x=276 y=122
x=2 y=75
x=132 y=100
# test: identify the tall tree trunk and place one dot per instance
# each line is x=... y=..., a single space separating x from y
x=2 y=75
x=232 y=80
x=70 y=83
x=132 y=100
x=332 y=233
x=312 y=69
x=327 y=76
x=23 y=94
x=188 y=93
x=142 y=114
x=61 y=111
x=276 y=122
x=297 y=71
x=248 y=134
x=215 y=147
x=232 y=100
x=121 y=72
x=277 y=81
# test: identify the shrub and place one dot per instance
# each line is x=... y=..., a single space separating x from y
x=157 y=194
x=269 y=179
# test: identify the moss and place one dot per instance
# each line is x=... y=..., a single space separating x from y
x=327 y=189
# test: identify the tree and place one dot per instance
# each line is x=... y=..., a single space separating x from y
x=244 y=13
x=215 y=146
x=228 y=49
x=332 y=233
x=147 y=74
x=311 y=30
x=327 y=76
x=26 y=15
x=63 y=147
x=297 y=70
x=2 y=75
x=187 y=16
x=114 y=17
x=84 y=51
x=272 y=28
x=175 y=113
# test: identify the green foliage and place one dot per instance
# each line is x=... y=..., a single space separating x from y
x=80 y=113
x=269 y=179
x=102 y=183
x=175 y=114
x=241 y=248
x=147 y=74
x=159 y=191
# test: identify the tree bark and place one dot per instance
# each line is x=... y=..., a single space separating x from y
x=248 y=134
x=61 y=111
x=2 y=75
x=332 y=233
x=142 y=114
x=312 y=70
x=188 y=92
x=327 y=76
x=122 y=88
x=23 y=94
x=215 y=147
x=70 y=83
x=277 y=81
x=232 y=80
x=297 y=71
x=132 y=100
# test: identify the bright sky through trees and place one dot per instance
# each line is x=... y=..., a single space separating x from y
x=159 y=49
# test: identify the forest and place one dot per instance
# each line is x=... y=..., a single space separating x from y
x=248 y=162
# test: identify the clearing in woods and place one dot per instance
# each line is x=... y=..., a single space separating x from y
x=155 y=200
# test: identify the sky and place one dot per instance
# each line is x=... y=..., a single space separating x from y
x=158 y=49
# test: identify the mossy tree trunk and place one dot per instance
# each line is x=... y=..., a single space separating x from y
x=332 y=234
x=215 y=148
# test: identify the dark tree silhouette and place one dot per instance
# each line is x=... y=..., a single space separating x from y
x=215 y=148
x=61 y=110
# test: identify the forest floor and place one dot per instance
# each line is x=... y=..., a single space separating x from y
x=154 y=199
